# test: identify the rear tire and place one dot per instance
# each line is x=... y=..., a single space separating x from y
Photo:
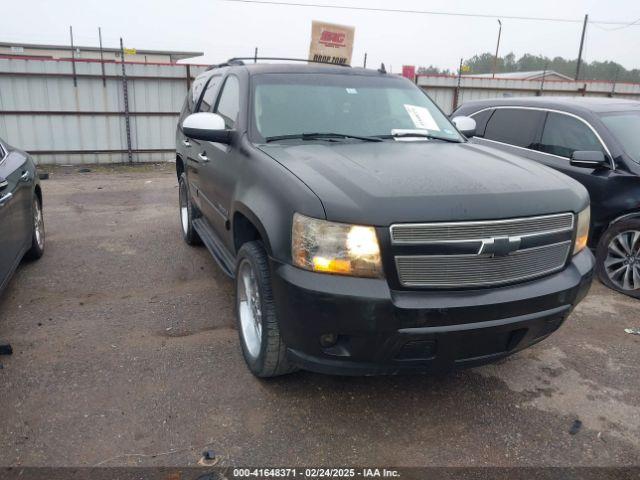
x=186 y=213
x=37 y=237
x=618 y=257
x=258 y=328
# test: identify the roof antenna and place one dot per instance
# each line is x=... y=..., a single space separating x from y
x=382 y=69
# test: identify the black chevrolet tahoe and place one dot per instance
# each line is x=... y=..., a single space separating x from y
x=365 y=234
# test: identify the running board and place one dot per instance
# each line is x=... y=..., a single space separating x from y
x=222 y=256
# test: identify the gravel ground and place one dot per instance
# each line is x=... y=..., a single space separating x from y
x=126 y=354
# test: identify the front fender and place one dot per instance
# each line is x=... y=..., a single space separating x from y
x=268 y=195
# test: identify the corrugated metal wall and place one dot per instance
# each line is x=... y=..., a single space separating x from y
x=445 y=92
x=41 y=110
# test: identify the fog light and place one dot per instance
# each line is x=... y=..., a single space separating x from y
x=328 y=339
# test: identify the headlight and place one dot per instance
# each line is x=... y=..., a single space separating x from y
x=582 y=231
x=330 y=247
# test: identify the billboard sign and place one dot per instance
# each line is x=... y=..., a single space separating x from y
x=331 y=43
x=409 y=71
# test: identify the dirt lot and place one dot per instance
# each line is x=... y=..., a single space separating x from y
x=126 y=354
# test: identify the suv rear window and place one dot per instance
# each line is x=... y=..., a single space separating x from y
x=514 y=126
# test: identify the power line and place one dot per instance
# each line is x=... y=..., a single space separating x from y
x=429 y=12
x=635 y=22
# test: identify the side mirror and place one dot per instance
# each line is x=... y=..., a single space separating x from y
x=589 y=159
x=3 y=183
x=206 y=126
x=466 y=125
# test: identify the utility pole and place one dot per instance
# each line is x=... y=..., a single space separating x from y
x=104 y=78
x=73 y=57
x=495 y=59
x=456 y=92
x=615 y=80
x=365 y=60
x=125 y=95
x=544 y=75
x=255 y=55
x=584 y=30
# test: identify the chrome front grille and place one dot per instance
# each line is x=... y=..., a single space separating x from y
x=480 y=254
x=415 y=233
x=480 y=270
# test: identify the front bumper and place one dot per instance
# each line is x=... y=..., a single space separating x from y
x=382 y=331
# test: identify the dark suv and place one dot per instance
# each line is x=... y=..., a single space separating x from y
x=597 y=142
x=365 y=234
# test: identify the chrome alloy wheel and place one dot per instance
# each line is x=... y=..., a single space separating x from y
x=184 y=208
x=38 y=224
x=249 y=309
x=623 y=260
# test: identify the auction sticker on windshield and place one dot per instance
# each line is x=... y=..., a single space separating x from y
x=421 y=118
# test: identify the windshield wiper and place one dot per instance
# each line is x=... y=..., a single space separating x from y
x=320 y=136
x=419 y=134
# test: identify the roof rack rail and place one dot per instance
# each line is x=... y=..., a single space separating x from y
x=240 y=61
x=233 y=61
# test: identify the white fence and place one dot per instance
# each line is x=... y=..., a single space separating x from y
x=66 y=118
x=444 y=90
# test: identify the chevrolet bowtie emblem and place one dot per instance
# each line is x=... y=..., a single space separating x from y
x=499 y=246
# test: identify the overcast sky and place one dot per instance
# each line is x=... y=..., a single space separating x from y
x=222 y=29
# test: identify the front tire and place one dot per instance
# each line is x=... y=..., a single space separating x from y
x=37 y=237
x=618 y=257
x=186 y=213
x=258 y=328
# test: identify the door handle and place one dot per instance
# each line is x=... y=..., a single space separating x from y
x=25 y=177
x=203 y=157
x=5 y=199
x=186 y=143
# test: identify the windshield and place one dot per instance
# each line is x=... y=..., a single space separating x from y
x=625 y=126
x=351 y=105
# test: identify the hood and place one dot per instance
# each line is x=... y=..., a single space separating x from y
x=390 y=182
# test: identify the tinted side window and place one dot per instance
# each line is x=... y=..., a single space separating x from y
x=563 y=135
x=185 y=108
x=229 y=102
x=194 y=94
x=514 y=126
x=481 y=119
x=209 y=95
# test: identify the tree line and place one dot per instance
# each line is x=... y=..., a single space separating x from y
x=483 y=63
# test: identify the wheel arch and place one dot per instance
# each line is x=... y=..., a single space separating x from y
x=37 y=190
x=246 y=226
x=179 y=165
x=627 y=216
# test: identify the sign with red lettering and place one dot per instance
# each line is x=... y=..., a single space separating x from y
x=409 y=71
x=331 y=43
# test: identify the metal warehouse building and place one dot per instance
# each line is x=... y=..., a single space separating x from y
x=57 y=52
x=76 y=110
